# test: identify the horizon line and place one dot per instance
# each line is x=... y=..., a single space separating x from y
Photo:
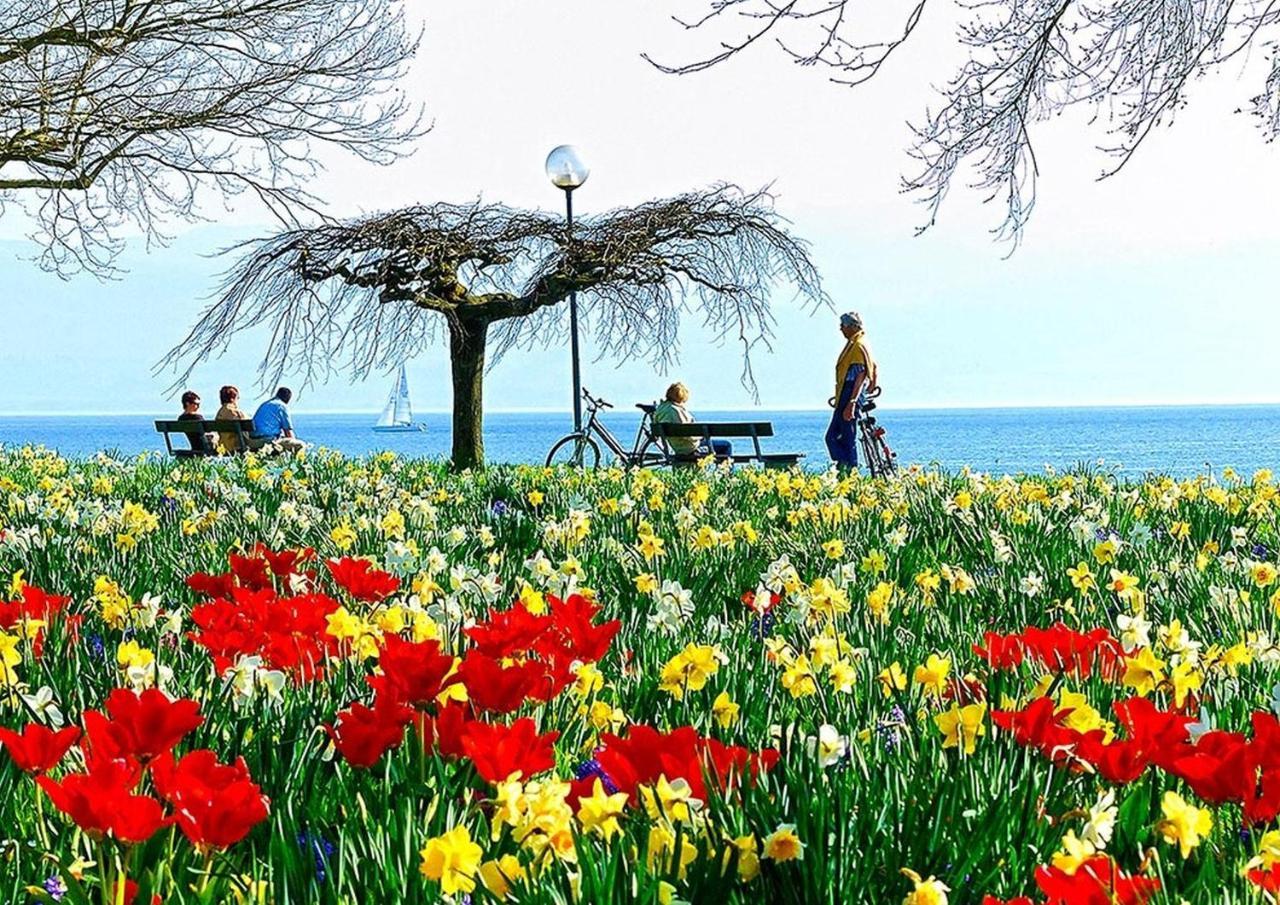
x=910 y=406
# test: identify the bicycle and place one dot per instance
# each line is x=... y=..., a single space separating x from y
x=880 y=459
x=580 y=449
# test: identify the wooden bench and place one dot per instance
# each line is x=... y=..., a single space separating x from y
x=706 y=431
x=241 y=429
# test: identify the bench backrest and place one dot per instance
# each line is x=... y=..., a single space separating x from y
x=240 y=427
x=708 y=429
x=205 y=427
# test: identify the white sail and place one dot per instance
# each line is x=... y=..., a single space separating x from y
x=403 y=408
x=388 y=416
x=397 y=414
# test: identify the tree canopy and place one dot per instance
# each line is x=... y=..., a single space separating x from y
x=357 y=296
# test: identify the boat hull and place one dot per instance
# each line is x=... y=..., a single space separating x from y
x=400 y=429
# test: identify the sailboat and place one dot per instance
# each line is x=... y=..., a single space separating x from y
x=397 y=414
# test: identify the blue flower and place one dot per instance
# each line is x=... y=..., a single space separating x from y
x=762 y=625
x=592 y=768
x=97 y=649
x=321 y=849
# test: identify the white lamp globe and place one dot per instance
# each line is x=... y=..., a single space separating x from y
x=565 y=167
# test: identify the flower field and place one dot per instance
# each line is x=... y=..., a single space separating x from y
x=321 y=679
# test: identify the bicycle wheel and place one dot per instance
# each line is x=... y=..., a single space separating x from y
x=652 y=455
x=868 y=451
x=887 y=456
x=576 y=451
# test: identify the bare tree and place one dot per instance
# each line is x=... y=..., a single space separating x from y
x=356 y=297
x=1129 y=61
x=115 y=114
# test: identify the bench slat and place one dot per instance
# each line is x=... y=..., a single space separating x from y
x=204 y=427
x=715 y=429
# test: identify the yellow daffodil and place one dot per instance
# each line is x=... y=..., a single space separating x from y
x=724 y=710
x=1143 y=672
x=783 y=844
x=452 y=860
x=962 y=726
x=931 y=676
x=1184 y=824
x=929 y=891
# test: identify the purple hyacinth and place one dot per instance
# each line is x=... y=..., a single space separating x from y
x=55 y=888
x=499 y=508
x=591 y=768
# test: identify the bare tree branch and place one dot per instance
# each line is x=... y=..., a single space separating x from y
x=118 y=114
x=1129 y=61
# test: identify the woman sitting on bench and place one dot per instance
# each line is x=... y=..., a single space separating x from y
x=672 y=411
x=200 y=442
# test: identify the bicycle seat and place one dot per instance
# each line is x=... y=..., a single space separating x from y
x=646 y=407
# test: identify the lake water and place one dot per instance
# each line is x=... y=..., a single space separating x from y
x=1130 y=440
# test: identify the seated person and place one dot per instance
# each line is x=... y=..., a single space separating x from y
x=672 y=411
x=271 y=423
x=200 y=442
x=228 y=441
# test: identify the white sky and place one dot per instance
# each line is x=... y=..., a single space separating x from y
x=1154 y=286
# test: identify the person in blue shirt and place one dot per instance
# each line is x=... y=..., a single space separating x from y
x=271 y=423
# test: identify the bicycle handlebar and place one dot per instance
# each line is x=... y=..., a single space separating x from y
x=595 y=401
x=870 y=394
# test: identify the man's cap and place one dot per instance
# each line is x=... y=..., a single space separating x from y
x=851 y=319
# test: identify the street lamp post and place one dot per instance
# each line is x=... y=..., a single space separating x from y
x=567 y=171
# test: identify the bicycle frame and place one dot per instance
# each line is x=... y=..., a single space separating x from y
x=596 y=427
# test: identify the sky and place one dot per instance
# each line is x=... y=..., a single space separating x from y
x=1153 y=287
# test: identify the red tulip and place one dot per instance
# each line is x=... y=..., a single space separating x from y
x=286 y=562
x=33 y=603
x=447 y=730
x=499 y=689
x=363 y=734
x=499 y=751
x=645 y=754
x=216 y=805
x=359 y=579
x=1098 y=881
x=509 y=632
x=102 y=801
x=38 y=749
x=215 y=587
x=250 y=571
x=413 y=673
x=572 y=627
x=141 y=726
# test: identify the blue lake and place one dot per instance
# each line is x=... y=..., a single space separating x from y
x=1130 y=440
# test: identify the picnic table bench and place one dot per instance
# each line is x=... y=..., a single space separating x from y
x=706 y=431
x=241 y=429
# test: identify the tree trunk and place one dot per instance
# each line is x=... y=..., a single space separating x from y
x=467 y=339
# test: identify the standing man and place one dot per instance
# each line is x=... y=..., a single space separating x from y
x=855 y=373
x=271 y=423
